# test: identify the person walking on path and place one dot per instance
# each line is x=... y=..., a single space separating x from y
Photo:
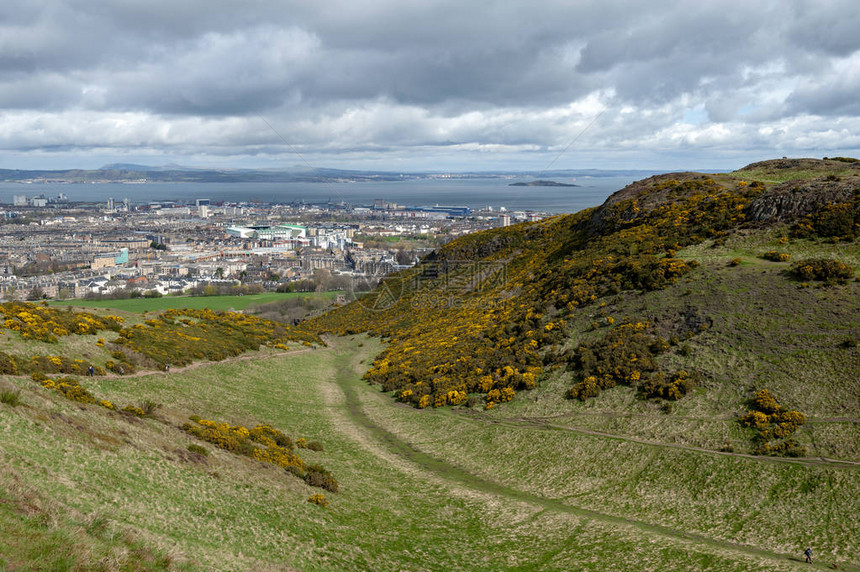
x=91 y=371
x=808 y=554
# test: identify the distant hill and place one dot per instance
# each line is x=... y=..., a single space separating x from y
x=122 y=172
x=541 y=183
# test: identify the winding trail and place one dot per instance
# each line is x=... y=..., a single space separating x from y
x=546 y=423
x=350 y=386
x=198 y=364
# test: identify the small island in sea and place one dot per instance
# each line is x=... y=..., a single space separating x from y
x=541 y=183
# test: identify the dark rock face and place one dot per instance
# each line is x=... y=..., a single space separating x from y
x=795 y=199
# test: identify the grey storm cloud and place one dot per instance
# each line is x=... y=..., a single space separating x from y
x=195 y=78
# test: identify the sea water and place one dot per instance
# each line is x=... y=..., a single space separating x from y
x=476 y=193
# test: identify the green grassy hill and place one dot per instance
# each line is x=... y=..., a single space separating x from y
x=489 y=448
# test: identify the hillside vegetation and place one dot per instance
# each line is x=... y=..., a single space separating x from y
x=490 y=314
x=666 y=382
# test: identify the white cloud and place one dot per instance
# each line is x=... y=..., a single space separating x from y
x=427 y=84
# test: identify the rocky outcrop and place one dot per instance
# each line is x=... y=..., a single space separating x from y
x=796 y=199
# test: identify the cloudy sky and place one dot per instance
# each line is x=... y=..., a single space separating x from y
x=423 y=84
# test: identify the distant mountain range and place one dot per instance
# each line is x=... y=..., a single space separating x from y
x=130 y=172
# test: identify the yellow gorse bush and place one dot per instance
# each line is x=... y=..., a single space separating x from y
x=181 y=336
x=47 y=324
x=263 y=443
x=774 y=426
x=318 y=499
x=70 y=388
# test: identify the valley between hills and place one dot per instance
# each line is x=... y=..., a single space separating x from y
x=668 y=381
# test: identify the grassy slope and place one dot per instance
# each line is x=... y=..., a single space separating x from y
x=780 y=171
x=193 y=302
x=542 y=483
x=411 y=497
x=793 y=350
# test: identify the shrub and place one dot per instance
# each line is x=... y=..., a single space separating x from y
x=134 y=410
x=265 y=444
x=774 y=426
x=586 y=388
x=316 y=476
x=837 y=221
x=119 y=356
x=776 y=256
x=765 y=401
x=735 y=261
x=119 y=368
x=183 y=336
x=506 y=280
x=626 y=356
x=69 y=388
x=46 y=324
x=149 y=407
x=199 y=449
x=263 y=433
x=822 y=269
x=53 y=364
x=318 y=499
x=8 y=364
x=672 y=389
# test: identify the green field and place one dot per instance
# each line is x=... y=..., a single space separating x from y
x=84 y=488
x=191 y=302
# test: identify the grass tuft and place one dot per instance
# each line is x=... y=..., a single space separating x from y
x=11 y=397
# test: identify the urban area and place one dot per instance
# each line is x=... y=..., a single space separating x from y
x=53 y=248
